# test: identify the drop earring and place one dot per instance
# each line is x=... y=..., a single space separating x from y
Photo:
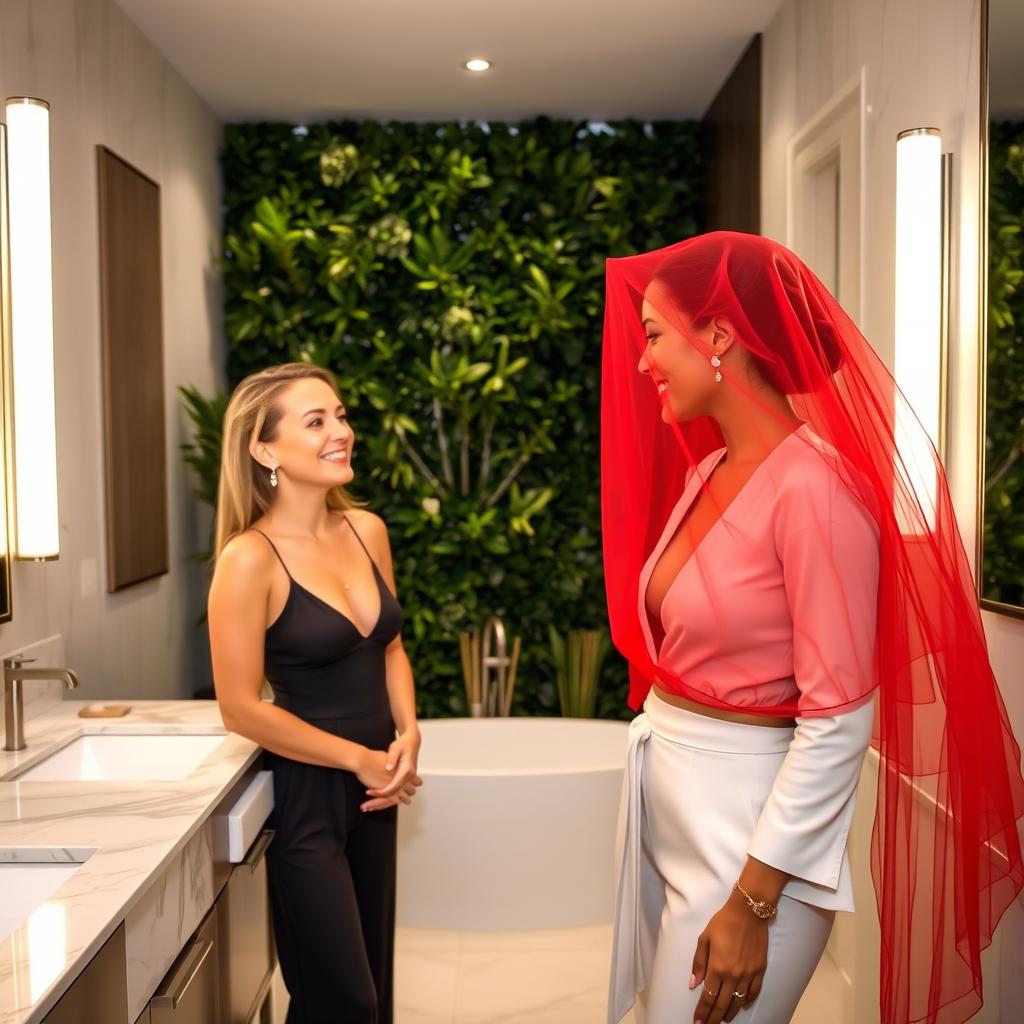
x=273 y=477
x=716 y=362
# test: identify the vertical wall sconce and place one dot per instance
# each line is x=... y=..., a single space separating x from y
x=6 y=474
x=35 y=444
x=922 y=191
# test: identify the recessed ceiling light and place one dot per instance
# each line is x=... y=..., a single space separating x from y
x=478 y=64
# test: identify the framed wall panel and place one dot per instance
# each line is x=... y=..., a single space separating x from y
x=133 y=373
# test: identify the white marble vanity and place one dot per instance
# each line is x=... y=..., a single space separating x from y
x=95 y=854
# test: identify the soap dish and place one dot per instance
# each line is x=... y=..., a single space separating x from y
x=104 y=711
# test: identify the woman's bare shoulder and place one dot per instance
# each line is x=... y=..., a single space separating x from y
x=247 y=556
x=365 y=520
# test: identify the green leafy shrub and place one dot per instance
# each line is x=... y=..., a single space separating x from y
x=452 y=276
x=1003 y=577
x=202 y=453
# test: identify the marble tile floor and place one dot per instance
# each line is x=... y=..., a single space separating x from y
x=525 y=977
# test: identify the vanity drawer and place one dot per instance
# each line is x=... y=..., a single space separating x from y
x=246 y=943
x=190 y=994
x=249 y=814
x=238 y=819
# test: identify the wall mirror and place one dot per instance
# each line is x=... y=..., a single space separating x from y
x=1001 y=484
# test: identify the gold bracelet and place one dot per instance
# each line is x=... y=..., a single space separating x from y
x=761 y=908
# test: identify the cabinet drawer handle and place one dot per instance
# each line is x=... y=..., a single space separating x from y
x=259 y=848
x=200 y=951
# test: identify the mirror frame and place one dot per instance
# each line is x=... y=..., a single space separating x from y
x=989 y=604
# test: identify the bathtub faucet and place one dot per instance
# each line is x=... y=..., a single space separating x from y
x=495 y=663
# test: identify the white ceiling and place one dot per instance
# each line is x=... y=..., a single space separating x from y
x=305 y=60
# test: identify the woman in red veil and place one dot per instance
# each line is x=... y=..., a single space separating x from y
x=786 y=578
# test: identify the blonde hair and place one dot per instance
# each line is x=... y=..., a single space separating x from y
x=253 y=414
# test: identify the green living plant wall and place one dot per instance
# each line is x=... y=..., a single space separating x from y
x=452 y=276
x=1003 y=577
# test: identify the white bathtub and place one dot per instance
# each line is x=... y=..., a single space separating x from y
x=514 y=826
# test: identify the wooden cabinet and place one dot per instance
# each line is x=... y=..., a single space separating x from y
x=100 y=992
x=190 y=994
x=223 y=974
x=247 y=946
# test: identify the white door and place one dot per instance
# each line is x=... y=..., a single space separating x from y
x=824 y=227
x=824 y=189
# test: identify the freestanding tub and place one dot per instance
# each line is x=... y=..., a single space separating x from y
x=514 y=826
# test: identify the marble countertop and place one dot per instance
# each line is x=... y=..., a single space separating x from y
x=135 y=829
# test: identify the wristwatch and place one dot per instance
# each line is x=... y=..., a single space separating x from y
x=761 y=908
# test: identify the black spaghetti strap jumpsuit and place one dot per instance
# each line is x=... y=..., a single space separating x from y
x=331 y=866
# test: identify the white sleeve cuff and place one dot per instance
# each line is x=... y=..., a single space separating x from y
x=803 y=826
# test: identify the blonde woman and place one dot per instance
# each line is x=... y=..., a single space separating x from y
x=304 y=596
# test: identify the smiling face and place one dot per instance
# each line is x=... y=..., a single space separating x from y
x=312 y=441
x=680 y=364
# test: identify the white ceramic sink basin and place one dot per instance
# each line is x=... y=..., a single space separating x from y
x=107 y=757
x=29 y=876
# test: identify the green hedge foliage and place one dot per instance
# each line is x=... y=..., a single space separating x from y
x=1003 y=576
x=452 y=276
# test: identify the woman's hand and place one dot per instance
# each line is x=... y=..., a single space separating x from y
x=400 y=764
x=731 y=956
x=371 y=770
x=403 y=796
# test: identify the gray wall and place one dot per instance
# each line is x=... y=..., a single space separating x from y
x=107 y=84
x=921 y=65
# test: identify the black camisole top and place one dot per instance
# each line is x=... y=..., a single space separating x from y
x=318 y=664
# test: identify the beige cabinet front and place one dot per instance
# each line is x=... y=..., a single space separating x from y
x=190 y=994
x=246 y=946
x=100 y=992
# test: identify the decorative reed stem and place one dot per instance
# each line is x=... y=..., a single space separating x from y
x=510 y=679
x=578 y=659
x=469 y=649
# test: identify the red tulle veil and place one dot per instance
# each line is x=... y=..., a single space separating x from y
x=946 y=846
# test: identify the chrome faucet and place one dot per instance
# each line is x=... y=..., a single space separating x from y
x=14 y=705
x=495 y=658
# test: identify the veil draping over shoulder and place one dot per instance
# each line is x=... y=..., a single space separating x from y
x=946 y=846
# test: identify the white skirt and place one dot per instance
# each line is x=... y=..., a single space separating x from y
x=693 y=791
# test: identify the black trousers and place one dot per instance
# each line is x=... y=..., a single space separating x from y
x=332 y=885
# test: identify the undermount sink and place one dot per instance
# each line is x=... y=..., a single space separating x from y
x=29 y=876
x=111 y=757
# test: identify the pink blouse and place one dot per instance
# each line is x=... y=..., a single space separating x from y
x=777 y=604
